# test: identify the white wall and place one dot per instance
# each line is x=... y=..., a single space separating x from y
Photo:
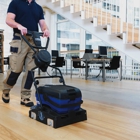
x=123 y=10
x=7 y=30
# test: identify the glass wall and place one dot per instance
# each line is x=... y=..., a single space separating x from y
x=133 y=12
x=68 y=37
x=112 y=6
x=93 y=42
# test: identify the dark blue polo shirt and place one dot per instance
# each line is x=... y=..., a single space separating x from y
x=28 y=15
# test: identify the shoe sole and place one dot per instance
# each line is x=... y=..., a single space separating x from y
x=28 y=104
x=5 y=100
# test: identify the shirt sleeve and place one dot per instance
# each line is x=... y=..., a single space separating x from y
x=41 y=14
x=12 y=7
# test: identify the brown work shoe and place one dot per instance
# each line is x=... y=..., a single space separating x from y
x=5 y=97
x=27 y=102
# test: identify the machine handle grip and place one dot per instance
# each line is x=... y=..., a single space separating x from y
x=30 y=33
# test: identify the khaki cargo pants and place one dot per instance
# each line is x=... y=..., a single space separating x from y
x=21 y=56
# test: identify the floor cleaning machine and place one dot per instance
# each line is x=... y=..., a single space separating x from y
x=57 y=105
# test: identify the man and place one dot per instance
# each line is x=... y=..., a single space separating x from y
x=22 y=15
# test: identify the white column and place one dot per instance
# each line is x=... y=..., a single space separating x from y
x=122 y=12
x=53 y=32
x=108 y=29
x=50 y=21
x=82 y=40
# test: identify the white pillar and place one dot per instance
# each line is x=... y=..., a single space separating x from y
x=62 y=3
x=83 y=14
x=50 y=21
x=72 y=8
x=108 y=29
x=123 y=6
x=82 y=40
x=124 y=38
x=95 y=21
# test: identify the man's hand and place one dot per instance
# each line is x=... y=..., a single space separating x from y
x=46 y=33
x=22 y=29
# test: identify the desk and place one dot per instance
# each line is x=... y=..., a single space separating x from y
x=90 y=61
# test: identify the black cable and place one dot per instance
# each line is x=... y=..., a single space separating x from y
x=48 y=73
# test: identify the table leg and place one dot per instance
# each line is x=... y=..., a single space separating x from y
x=66 y=66
x=103 y=71
x=120 y=70
x=86 y=70
x=38 y=71
x=71 y=69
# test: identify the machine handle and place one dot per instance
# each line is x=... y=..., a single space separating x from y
x=30 y=33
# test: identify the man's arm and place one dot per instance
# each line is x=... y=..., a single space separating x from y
x=44 y=28
x=10 y=20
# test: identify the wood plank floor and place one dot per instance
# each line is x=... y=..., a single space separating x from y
x=113 y=110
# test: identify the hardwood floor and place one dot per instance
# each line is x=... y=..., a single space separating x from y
x=113 y=111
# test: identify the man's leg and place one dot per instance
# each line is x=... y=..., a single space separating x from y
x=16 y=61
x=27 y=79
x=26 y=89
x=8 y=84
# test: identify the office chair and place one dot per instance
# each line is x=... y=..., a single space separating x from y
x=88 y=50
x=59 y=62
x=77 y=64
x=55 y=53
x=114 y=64
x=6 y=61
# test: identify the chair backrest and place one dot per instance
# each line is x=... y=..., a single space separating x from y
x=88 y=50
x=115 y=62
x=76 y=64
x=6 y=60
x=59 y=62
x=55 y=53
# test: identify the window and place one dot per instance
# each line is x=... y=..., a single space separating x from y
x=118 y=8
x=60 y=17
x=88 y=36
x=136 y=22
x=104 y=5
x=88 y=46
x=68 y=37
x=114 y=7
x=136 y=12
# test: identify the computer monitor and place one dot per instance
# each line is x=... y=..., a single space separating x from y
x=75 y=57
x=55 y=53
x=102 y=51
x=88 y=50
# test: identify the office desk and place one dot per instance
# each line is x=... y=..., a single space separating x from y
x=95 y=60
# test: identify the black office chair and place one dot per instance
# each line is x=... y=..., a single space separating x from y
x=114 y=64
x=77 y=64
x=88 y=50
x=6 y=61
x=59 y=62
